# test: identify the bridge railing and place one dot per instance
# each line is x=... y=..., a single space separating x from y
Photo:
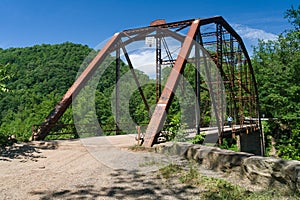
x=88 y=130
x=58 y=131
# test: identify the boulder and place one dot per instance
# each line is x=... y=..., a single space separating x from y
x=273 y=172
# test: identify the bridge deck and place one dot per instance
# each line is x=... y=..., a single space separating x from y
x=212 y=132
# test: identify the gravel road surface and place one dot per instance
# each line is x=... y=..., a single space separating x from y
x=90 y=168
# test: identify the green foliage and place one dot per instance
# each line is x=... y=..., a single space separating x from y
x=230 y=144
x=191 y=176
x=4 y=78
x=36 y=78
x=221 y=189
x=33 y=79
x=199 y=139
x=288 y=146
x=180 y=135
x=3 y=140
x=276 y=65
x=170 y=170
x=293 y=16
x=287 y=137
x=177 y=130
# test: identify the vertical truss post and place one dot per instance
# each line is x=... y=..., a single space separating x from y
x=118 y=61
x=219 y=117
x=158 y=66
x=197 y=83
x=159 y=116
x=211 y=91
x=240 y=81
x=232 y=79
x=136 y=79
x=219 y=45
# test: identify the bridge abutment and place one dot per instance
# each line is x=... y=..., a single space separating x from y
x=251 y=143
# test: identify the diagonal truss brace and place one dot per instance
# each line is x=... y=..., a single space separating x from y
x=66 y=100
x=159 y=115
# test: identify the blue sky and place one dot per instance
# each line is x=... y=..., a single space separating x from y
x=30 y=22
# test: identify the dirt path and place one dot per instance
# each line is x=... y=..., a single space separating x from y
x=93 y=168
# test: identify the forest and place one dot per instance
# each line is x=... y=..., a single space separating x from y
x=33 y=79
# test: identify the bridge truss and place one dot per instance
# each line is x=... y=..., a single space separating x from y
x=222 y=67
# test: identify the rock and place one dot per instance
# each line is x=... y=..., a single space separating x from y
x=273 y=172
x=265 y=171
x=212 y=157
x=174 y=148
x=12 y=139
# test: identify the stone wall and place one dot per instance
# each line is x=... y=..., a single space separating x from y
x=265 y=171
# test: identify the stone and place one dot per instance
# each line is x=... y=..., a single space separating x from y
x=273 y=172
x=265 y=171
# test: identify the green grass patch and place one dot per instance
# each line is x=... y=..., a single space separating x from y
x=218 y=189
x=170 y=170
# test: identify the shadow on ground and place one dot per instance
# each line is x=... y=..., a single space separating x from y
x=24 y=152
x=123 y=185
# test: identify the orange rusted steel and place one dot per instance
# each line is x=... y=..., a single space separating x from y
x=157 y=22
x=159 y=115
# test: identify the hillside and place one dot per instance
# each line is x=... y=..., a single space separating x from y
x=37 y=77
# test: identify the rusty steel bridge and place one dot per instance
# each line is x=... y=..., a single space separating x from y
x=205 y=43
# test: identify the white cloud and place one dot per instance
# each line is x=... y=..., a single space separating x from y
x=143 y=57
x=144 y=61
x=253 y=34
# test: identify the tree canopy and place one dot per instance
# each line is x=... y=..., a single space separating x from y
x=277 y=66
x=35 y=78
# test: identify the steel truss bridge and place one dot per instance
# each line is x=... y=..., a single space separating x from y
x=222 y=68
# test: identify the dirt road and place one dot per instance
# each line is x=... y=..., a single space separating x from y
x=92 y=168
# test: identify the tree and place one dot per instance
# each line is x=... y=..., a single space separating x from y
x=35 y=78
x=4 y=77
x=277 y=67
x=293 y=16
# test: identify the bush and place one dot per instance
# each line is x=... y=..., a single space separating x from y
x=3 y=140
x=287 y=138
x=199 y=139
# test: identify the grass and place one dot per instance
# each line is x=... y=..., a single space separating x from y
x=217 y=189
x=170 y=170
x=138 y=148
